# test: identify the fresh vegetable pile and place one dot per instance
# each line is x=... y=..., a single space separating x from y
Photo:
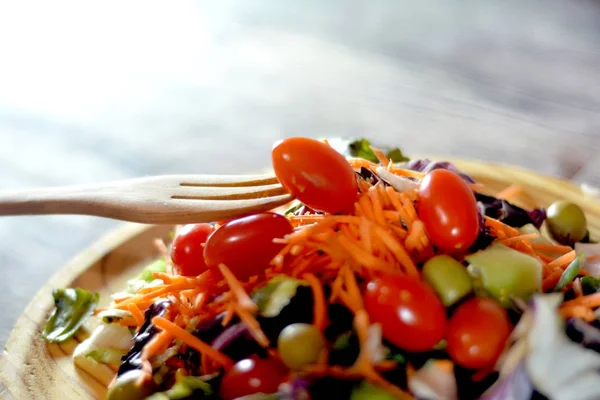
x=386 y=278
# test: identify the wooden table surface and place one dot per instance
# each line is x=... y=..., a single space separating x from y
x=123 y=89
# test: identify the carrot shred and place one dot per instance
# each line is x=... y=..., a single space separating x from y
x=253 y=325
x=551 y=280
x=237 y=289
x=129 y=322
x=383 y=160
x=516 y=239
x=563 y=260
x=590 y=301
x=501 y=227
x=577 y=311
x=406 y=172
x=228 y=314
x=192 y=341
x=320 y=308
x=136 y=313
x=552 y=248
x=509 y=192
x=156 y=344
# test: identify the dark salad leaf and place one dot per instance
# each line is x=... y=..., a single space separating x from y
x=132 y=360
x=362 y=148
x=508 y=213
x=298 y=309
x=590 y=285
x=276 y=294
x=484 y=238
x=332 y=389
x=583 y=333
x=345 y=350
x=237 y=342
x=72 y=308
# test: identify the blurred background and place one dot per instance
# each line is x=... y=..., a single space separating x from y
x=119 y=89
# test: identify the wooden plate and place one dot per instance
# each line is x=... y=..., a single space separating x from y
x=31 y=369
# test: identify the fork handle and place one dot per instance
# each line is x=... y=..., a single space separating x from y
x=82 y=200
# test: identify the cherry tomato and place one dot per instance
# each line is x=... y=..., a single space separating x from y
x=252 y=375
x=245 y=245
x=448 y=209
x=412 y=317
x=187 y=252
x=316 y=174
x=477 y=333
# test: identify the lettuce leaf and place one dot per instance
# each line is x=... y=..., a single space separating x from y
x=73 y=306
x=361 y=148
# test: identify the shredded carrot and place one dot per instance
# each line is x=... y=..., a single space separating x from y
x=192 y=341
x=357 y=163
x=237 y=289
x=509 y=192
x=320 y=308
x=593 y=257
x=406 y=172
x=229 y=314
x=552 y=248
x=136 y=313
x=253 y=325
x=590 y=301
x=156 y=344
x=563 y=260
x=445 y=365
x=383 y=160
x=129 y=322
x=551 y=280
x=501 y=227
x=516 y=239
x=476 y=187
x=577 y=311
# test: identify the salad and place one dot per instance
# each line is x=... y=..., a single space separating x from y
x=386 y=278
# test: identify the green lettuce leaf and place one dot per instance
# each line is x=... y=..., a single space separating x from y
x=72 y=308
x=362 y=148
x=569 y=273
x=197 y=387
x=159 y=265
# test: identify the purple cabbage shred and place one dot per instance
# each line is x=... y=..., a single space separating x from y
x=516 y=385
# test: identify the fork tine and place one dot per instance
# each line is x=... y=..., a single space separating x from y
x=226 y=180
x=213 y=210
x=227 y=192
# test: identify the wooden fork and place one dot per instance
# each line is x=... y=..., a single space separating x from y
x=167 y=199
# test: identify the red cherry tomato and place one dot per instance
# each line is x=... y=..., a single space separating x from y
x=477 y=333
x=448 y=209
x=245 y=245
x=250 y=376
x=316 y=174
x=411 y=315
x=187 y=252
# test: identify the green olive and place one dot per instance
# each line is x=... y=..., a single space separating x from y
x=367 y=391
x=126 y=387
x=448 y=277
x=502 y=272
x=300 y=345
x=566 y=222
